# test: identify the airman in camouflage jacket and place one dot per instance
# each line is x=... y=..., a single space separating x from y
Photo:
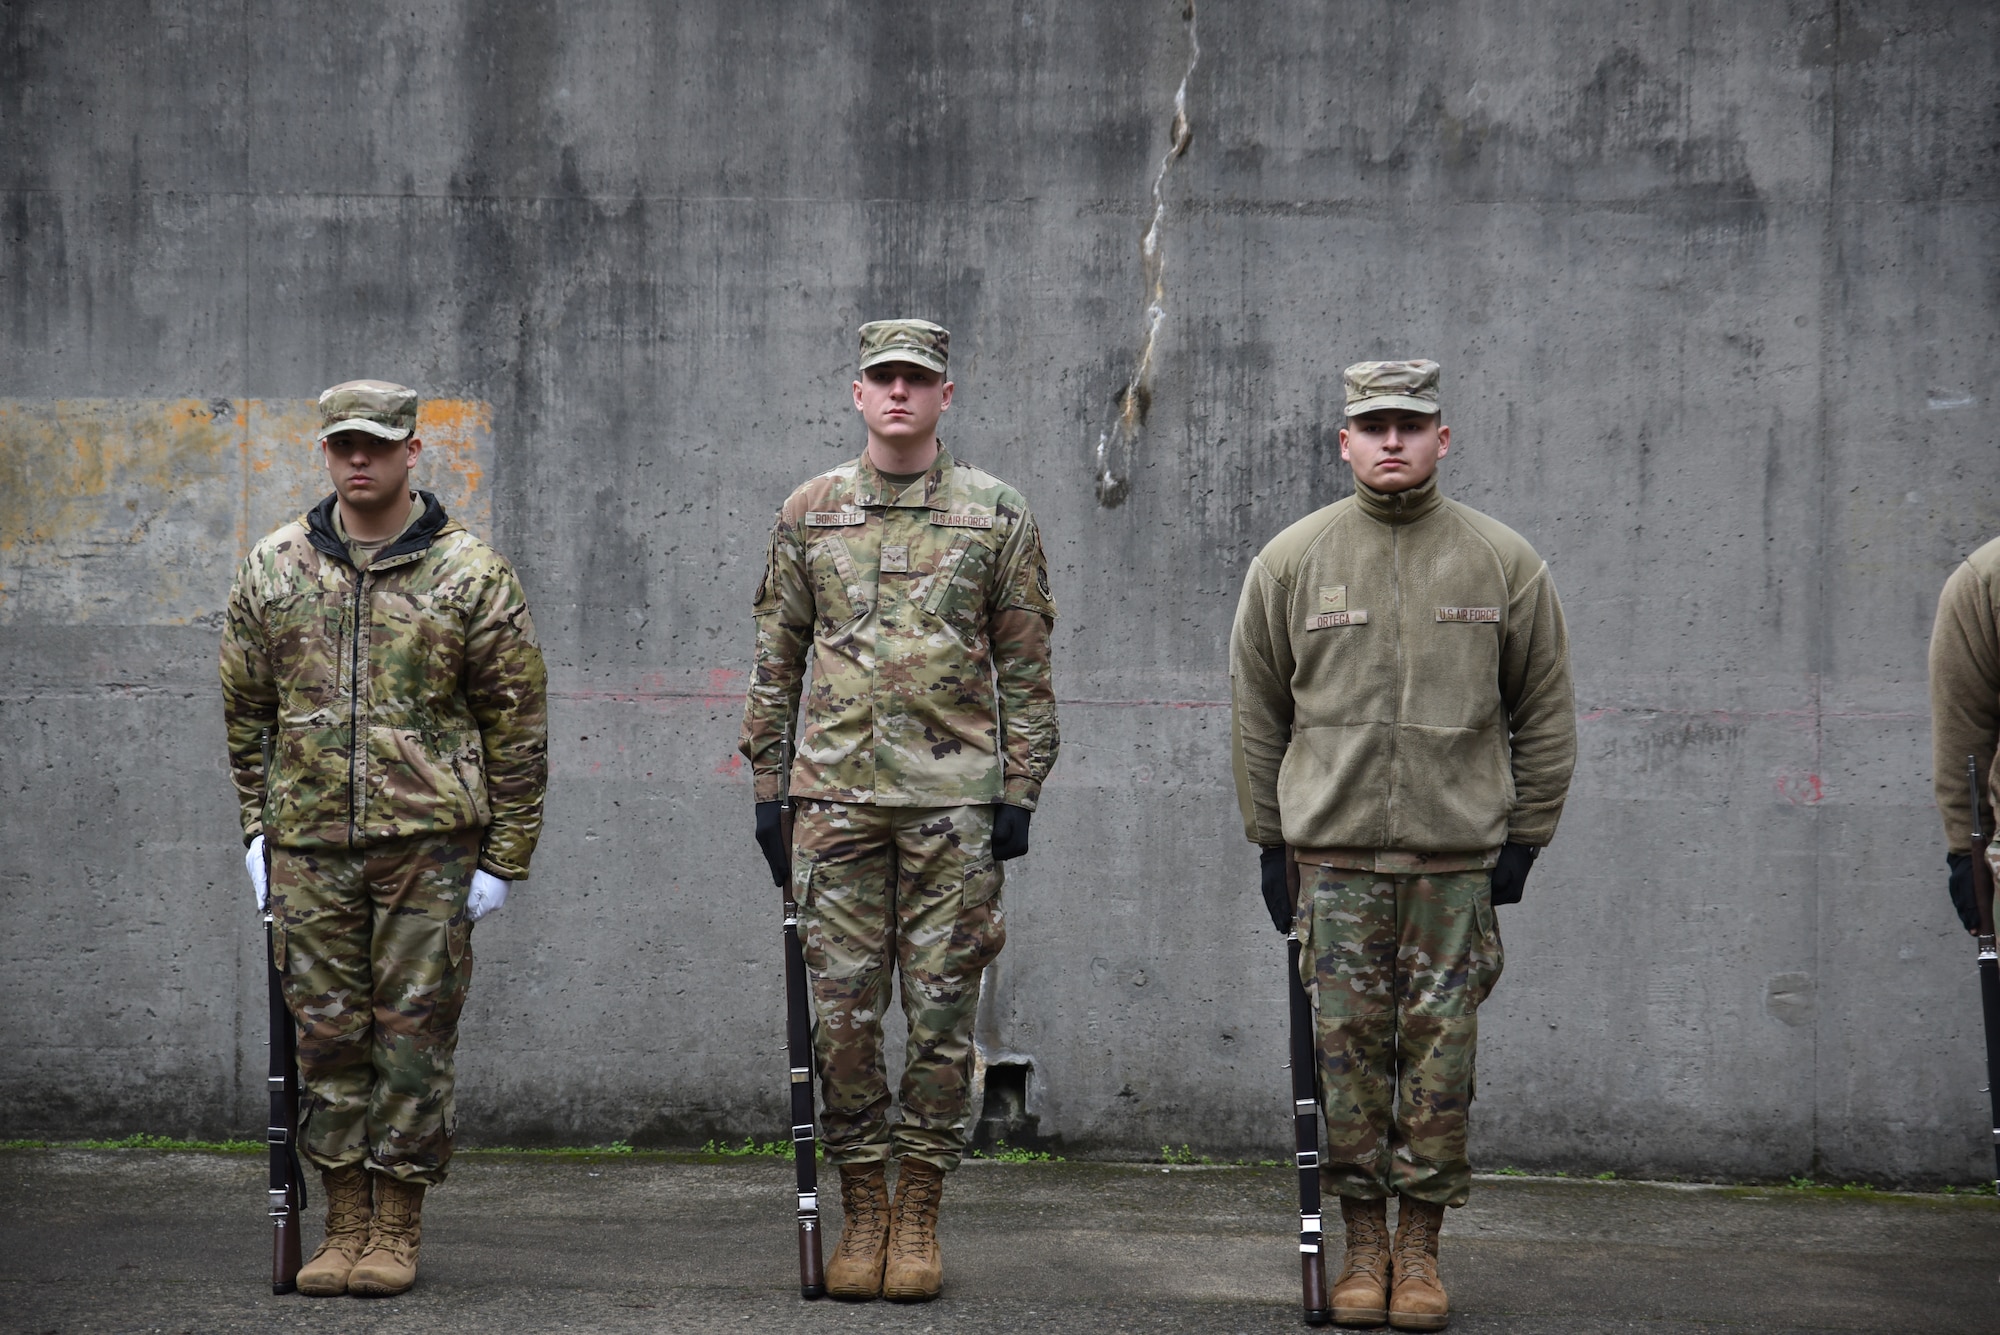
x=405 y=699
x=913 y=603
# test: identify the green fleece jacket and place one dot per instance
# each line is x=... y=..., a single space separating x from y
x=1965 y=689
x=1400 y=675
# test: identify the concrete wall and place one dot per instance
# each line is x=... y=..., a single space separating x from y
x=1713 y=284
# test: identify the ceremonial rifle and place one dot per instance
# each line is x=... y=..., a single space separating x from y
x=1989 y=959
x=798 y=1044
x=287 y=1185
x=1305 y=1122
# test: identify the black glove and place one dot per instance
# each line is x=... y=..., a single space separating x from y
x=1961 y=889
x=1510 y=873
x=1277 y=894
x=1010 y=832
x=771 y=838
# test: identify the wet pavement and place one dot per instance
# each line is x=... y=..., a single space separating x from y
x=121 y=1240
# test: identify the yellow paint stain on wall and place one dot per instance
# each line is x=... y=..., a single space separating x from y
x=136 y=511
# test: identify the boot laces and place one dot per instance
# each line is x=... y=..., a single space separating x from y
x=916 y=1204
x=865 y=1203
x=394 y=1227
x=1367 y=1244
x=348 y=1208
x=1416 y=1249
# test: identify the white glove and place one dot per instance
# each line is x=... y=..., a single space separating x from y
x=489 y=895
x=253 y=862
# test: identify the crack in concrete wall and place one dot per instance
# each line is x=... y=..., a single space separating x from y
x=1117 y=443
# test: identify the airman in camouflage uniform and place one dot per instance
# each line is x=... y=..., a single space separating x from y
x=1404 y=724
x=397 y=689
x=923 y=599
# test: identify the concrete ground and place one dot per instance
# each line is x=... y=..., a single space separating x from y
x=112 y=1241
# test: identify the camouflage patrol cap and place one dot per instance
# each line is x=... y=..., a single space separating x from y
x=375 y=406
x=918 y=342
x=1372 y=386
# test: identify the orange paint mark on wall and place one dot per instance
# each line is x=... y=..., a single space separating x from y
x=458 y=432
x=136 y=511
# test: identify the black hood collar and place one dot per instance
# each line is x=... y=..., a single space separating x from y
x=326 y=540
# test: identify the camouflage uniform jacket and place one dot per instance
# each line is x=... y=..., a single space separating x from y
x=914 y=606
x=408 y=698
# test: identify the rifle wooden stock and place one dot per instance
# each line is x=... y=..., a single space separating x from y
x=287 y=1183
x=1305 y=1123
x=1989 y=958
x=798 y=1046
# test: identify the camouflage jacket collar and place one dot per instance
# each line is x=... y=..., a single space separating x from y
x=416 y=539
x=870 y=488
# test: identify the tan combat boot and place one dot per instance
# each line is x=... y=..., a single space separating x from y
x=916 y=1268
x=855 y=1272
x=1417 y=1301
x=348 y=1210
x=389 y=1266
x=1361 y=1294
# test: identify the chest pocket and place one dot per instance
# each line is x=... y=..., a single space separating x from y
x=958 y=595
x=836 y=586
x=303 y=635
x=418 y=638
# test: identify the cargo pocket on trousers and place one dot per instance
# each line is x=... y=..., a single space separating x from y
x=457 y=979
x=981 y=928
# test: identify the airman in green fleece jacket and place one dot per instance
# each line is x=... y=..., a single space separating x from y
x=1404 y=722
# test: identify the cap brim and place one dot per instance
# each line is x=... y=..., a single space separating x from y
x=363 y=424
x=910 y=355
x=1427 y=407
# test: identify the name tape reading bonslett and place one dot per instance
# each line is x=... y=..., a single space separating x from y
x=835 y=518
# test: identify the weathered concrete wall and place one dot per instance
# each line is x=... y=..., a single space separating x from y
x=1714 y=286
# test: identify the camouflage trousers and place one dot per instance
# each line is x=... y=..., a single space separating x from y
x=1400 y=963
x=375 y=950
x=909 y=889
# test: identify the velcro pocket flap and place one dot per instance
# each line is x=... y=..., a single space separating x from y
x=982 y=878
x=947 y=569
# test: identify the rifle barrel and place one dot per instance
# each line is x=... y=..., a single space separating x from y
x=1988 y=958
x=286 y=1190
x=1305 y=1125
x=798 y=1049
